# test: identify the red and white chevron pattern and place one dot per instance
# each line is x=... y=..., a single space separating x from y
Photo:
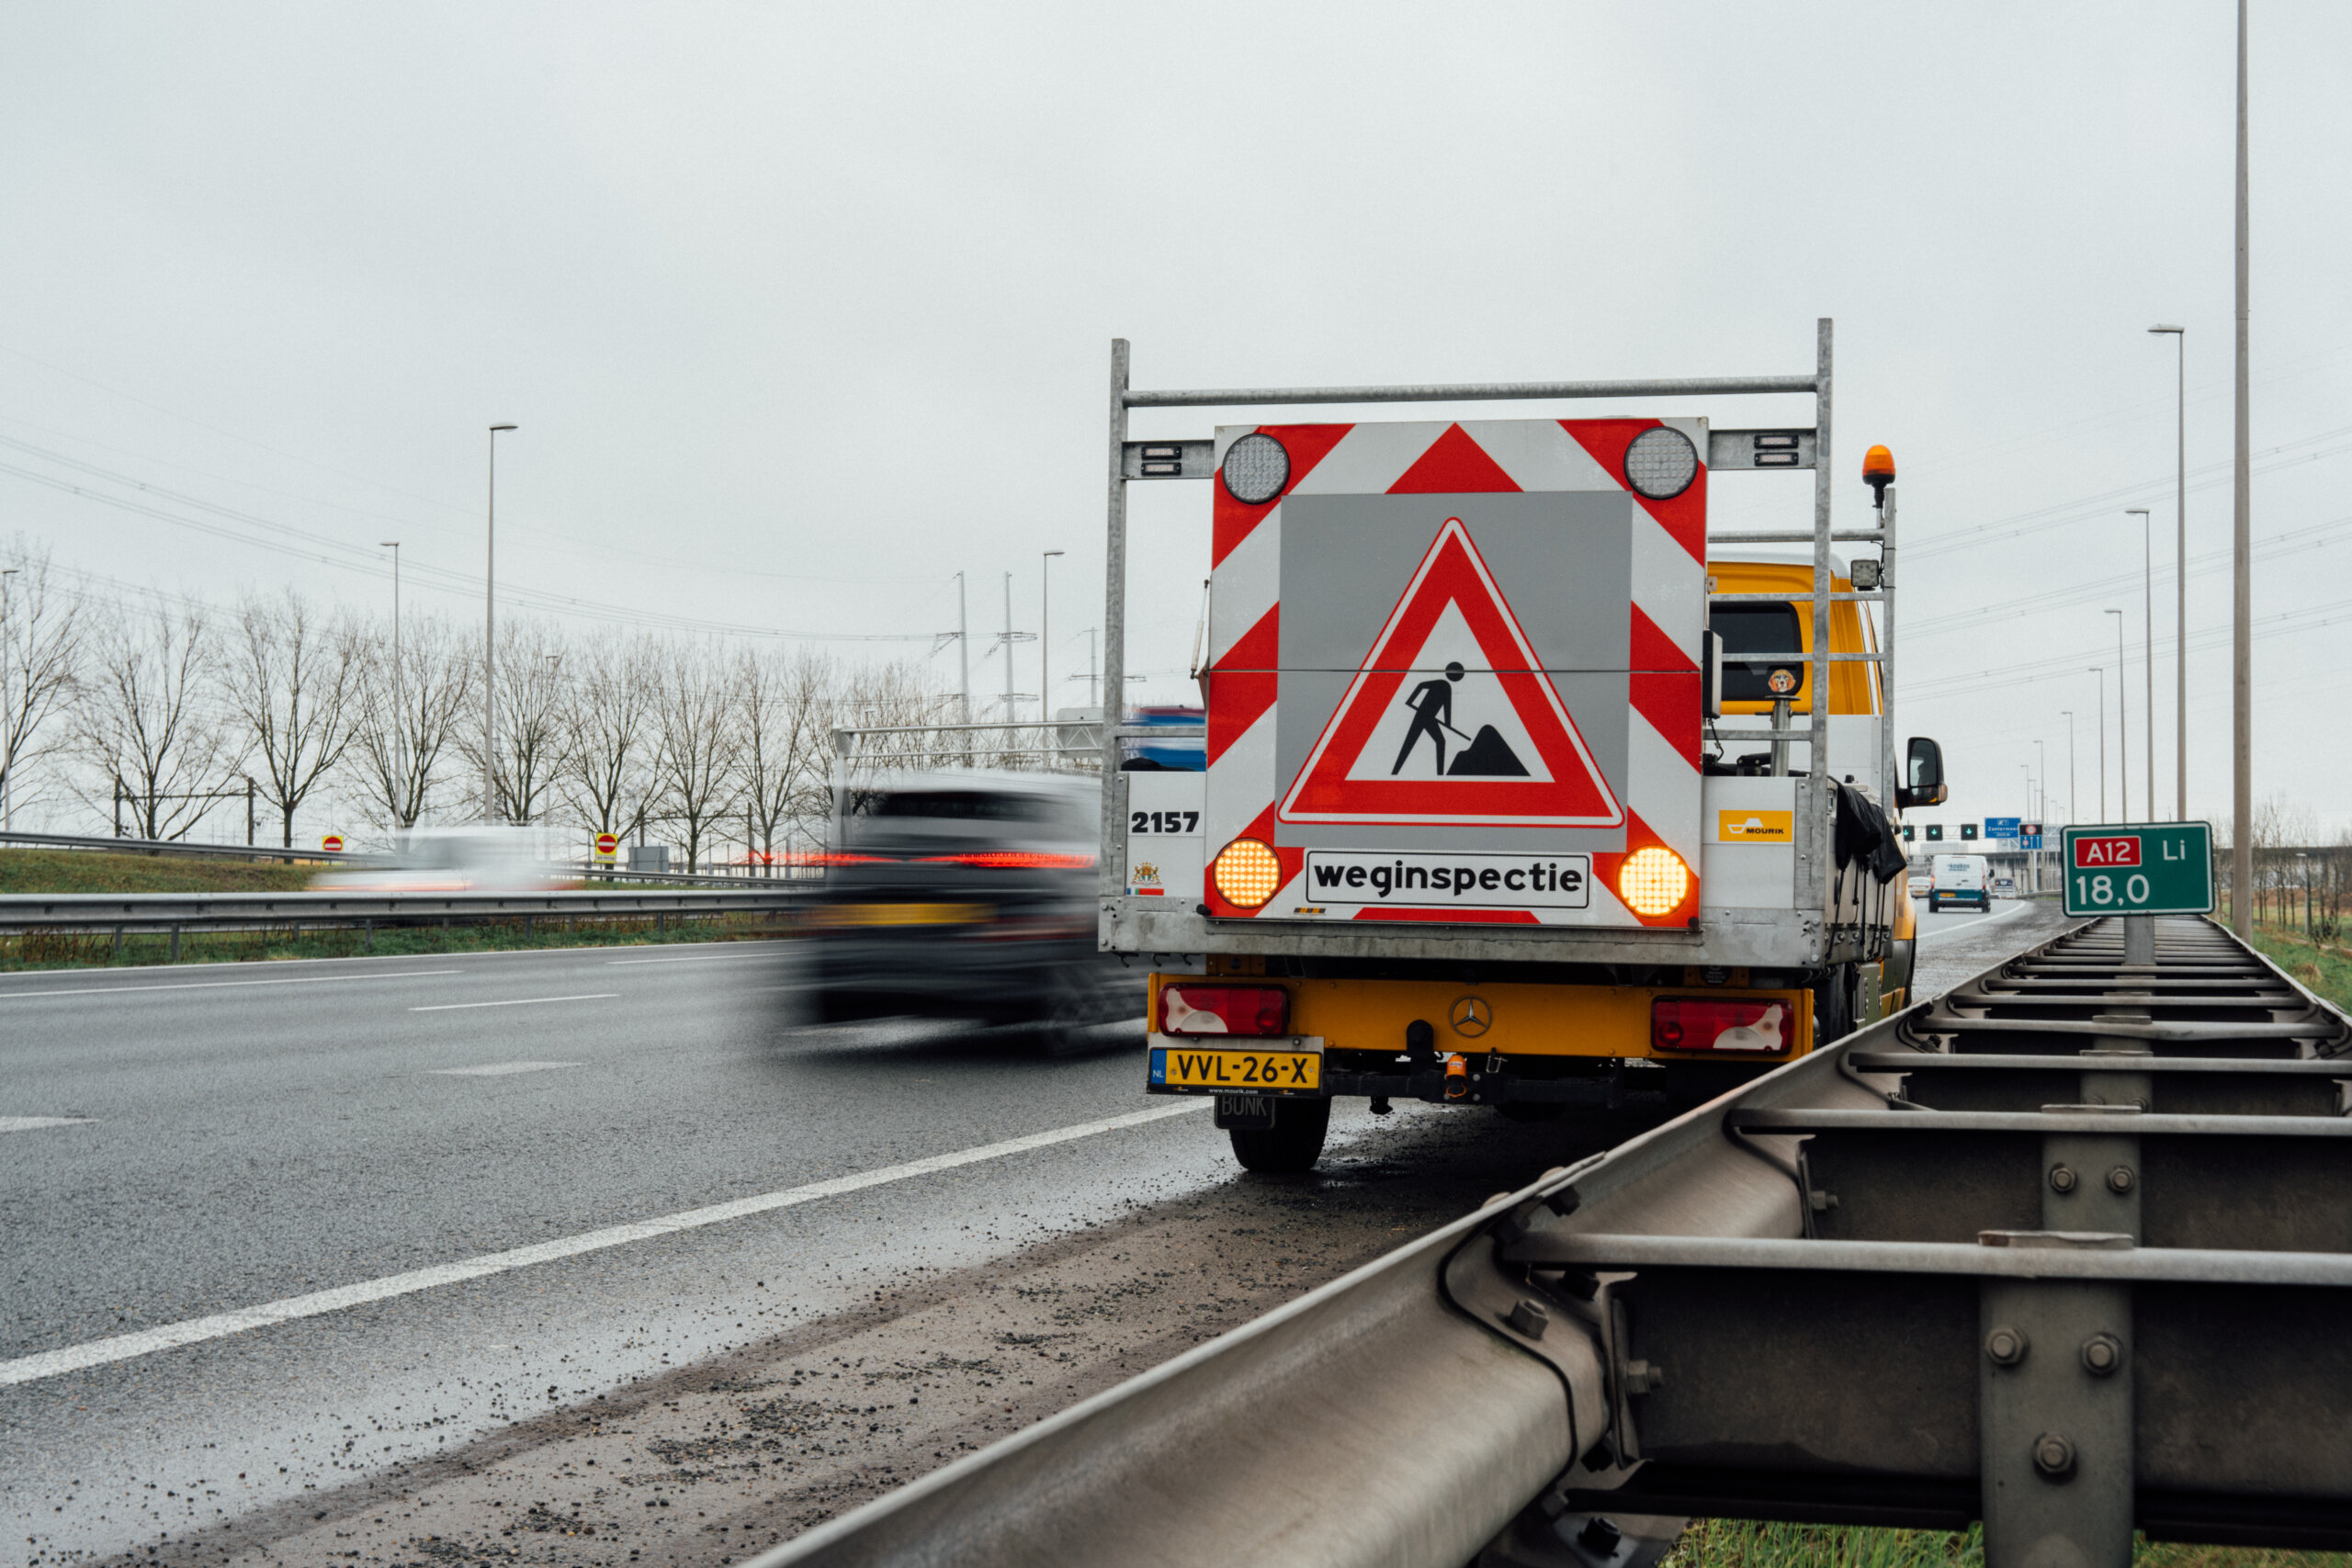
x=1662 y=779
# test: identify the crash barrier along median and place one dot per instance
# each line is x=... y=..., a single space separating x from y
x=785 y=904
x=2068 y=1250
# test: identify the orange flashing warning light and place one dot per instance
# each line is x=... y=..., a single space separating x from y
x=1878 y=472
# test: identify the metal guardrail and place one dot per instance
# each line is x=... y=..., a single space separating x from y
x=586 y=870
x=2068 y=1249
x=174 y=847
x=22 y=910
x=178 y=913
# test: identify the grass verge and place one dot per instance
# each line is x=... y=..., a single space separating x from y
x=102 y=871
x=1732 y=1543
x=2326 y=970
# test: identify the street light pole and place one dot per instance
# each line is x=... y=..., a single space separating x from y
x=400 y=691
x=2123 y=724
x=2071 y=815
x=2148 y=653
x=2242 y=573
x=2100 y=671
x=490 y=644
x=8 y=764
x=2180 y=571
x=1045 y=641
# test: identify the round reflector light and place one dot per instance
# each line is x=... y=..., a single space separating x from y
x=1661 y=463
x=1246 y=872
x=1653 y=881
x=1256 y=468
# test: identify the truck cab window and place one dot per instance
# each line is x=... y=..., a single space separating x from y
x=1756 y=628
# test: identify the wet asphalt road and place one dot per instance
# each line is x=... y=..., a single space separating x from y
x=222 y=1143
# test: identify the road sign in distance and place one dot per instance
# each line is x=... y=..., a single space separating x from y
x=1935 y=832
x=331 y=843
x=2002 y=827
x=608 y=846
x=2144 y=868
x=1968 y=829
x=2030 y=830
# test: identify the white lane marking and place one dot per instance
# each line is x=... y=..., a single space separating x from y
x=224 y=985
x=497 y=1069
x=27 y=1124
x=692 y=958
x=1977 y=924
x=123 y=1347
x=518 y=1002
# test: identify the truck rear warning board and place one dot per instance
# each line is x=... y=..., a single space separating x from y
x=1442 y=646
x=1452 y=719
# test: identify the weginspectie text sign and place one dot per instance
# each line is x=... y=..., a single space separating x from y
x=2139 y=868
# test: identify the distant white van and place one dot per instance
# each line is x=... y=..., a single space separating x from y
x=1959 y=880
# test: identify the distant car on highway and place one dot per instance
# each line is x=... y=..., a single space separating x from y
x=453 y=860
x=1921 y=883
x=969 y=894
x=1960 y=883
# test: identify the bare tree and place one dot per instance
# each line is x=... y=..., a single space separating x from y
x=785 y=706
x=531 y=732
x=409 y=715
x=149 y=725
x=609 y=734
x=694 y=762
x=40 y=656
x=292 y=676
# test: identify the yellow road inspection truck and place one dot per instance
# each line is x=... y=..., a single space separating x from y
x=1521 y=788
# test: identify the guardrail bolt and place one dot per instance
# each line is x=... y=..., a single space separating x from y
x=2061 y=1179
x=2102 y=1353
x=2005 y=1345
x=1601 y=1537
x=1528 y=1318
x=2120 y=1180
x=2054 y=1456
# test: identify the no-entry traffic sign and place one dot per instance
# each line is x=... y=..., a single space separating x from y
x=2139 y=868
x=608 y=846
x=331 y=843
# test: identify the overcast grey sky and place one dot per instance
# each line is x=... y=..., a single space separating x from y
x=802 y=310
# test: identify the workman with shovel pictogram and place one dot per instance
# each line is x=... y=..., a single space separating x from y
x=1487 y=754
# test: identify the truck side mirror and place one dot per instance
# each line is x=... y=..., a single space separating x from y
x=1925 y=775
x=1711 y=674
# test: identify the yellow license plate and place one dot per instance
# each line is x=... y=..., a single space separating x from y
x=909 y=914
x=1180 y=1068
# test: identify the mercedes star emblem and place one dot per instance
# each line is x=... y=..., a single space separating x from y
x=1471 y=1017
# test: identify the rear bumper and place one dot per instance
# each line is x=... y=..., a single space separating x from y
x=1539 y=1035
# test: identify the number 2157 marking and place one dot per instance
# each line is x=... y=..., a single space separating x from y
x=1164 y=822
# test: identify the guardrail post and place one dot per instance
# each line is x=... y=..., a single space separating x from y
x=175 y=944
x=117 y=942
x=2054 y=1423
x=369 y=927
x=2139 y=940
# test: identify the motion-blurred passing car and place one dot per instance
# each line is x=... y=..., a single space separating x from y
x=967 y=894
x=454 y=860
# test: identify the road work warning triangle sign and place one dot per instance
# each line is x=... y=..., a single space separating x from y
x=1451 y=719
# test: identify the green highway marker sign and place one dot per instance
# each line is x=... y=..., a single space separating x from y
x=2139 y=868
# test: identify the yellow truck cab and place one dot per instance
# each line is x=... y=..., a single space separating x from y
x=1511 y=794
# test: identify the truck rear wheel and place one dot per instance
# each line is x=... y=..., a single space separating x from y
x=1292 y=1144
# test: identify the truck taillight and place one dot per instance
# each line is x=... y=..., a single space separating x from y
x=1224 y=1010
x=1693 y=1023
